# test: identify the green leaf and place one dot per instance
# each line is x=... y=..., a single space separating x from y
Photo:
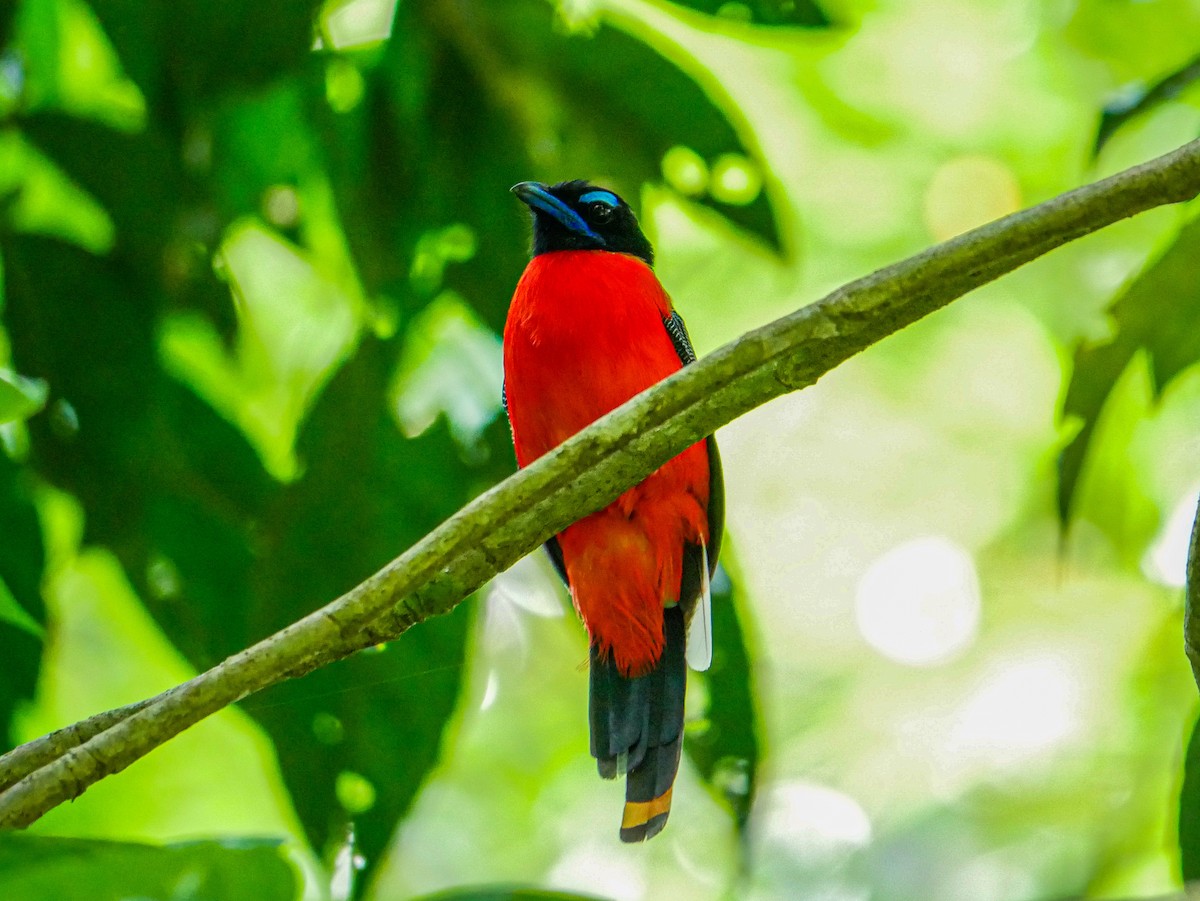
x=451 y=365
x=40 y=868
x=294 y=328
x=71 y=66
x=192 y=52
x=1159 y=312
x=725 y=745
x=357 y=739
x=627 y=133
x=40 y=198
x=1189 y=811
x=15 y=615
x=20 y=397
x=764 y=12
x=1138 y=100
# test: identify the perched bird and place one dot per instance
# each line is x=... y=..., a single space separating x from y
x=589 y=327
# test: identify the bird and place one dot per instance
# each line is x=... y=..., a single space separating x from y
x=589 y=327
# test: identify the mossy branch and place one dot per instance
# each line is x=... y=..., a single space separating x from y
x=507 y=522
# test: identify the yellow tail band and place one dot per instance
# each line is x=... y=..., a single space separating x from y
x=638 y=813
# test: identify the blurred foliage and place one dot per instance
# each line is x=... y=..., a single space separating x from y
x=1158 y=315
x=1139 y=100
x=764 y=12
x=254 y=287
x=35 y=868
x=724 y=744
x=254 y=258
x=1189 y=812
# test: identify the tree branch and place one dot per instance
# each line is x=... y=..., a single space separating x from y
x=587 y=472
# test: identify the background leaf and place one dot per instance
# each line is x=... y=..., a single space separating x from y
x=1159 y=312
x=764 y=12
x=37 y=868
x=20 y=398
x=1139 y=100
x=725 y=746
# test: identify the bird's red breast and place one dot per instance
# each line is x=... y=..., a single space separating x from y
x=584 y=334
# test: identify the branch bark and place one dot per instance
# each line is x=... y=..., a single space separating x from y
x=587 y=472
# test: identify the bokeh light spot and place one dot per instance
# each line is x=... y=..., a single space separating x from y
x=344 y=85
x=281 y=206
x=967 y=192
x=919 y=603
x=1021 y=710
x=813 y=822
x=354 y=792
x=328 y=729
x=596 y=870
x=685 y=170
x=735 y=179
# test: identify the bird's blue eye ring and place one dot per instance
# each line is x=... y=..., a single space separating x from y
x=607 y=198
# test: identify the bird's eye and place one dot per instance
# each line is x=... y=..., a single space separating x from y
x=600 y=211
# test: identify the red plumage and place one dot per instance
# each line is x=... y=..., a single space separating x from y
x=585 y=333
x=589 y=327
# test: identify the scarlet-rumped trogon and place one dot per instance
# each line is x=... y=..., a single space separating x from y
x=589 y=327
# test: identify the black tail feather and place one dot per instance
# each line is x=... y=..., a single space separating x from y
x=637 y=728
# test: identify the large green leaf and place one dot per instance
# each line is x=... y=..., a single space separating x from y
x=39 y=868
x=602 y=123
x=20 y=397
x=356 y=739
x=724 y=746
x=189 y=54
x=1158 y=312
x=146 y=352
x=1189 y=811
x=406 y=162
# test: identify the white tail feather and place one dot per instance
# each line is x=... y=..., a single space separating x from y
x=699 y=639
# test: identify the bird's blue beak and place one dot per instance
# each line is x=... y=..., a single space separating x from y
x=537 y=198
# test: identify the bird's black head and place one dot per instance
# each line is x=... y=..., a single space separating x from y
x=576 y=215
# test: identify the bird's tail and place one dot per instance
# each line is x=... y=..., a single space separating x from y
x=637 y=729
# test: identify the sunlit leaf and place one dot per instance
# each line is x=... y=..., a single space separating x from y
x=294 y=328
x=451 y=366
x=20 y=397
x=1158 y=313
x=38 y=197
x=72 y=67
x=15 y=615
x=351 y=24
x=40 y=868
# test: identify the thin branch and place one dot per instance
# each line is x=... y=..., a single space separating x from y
x=587 y=472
